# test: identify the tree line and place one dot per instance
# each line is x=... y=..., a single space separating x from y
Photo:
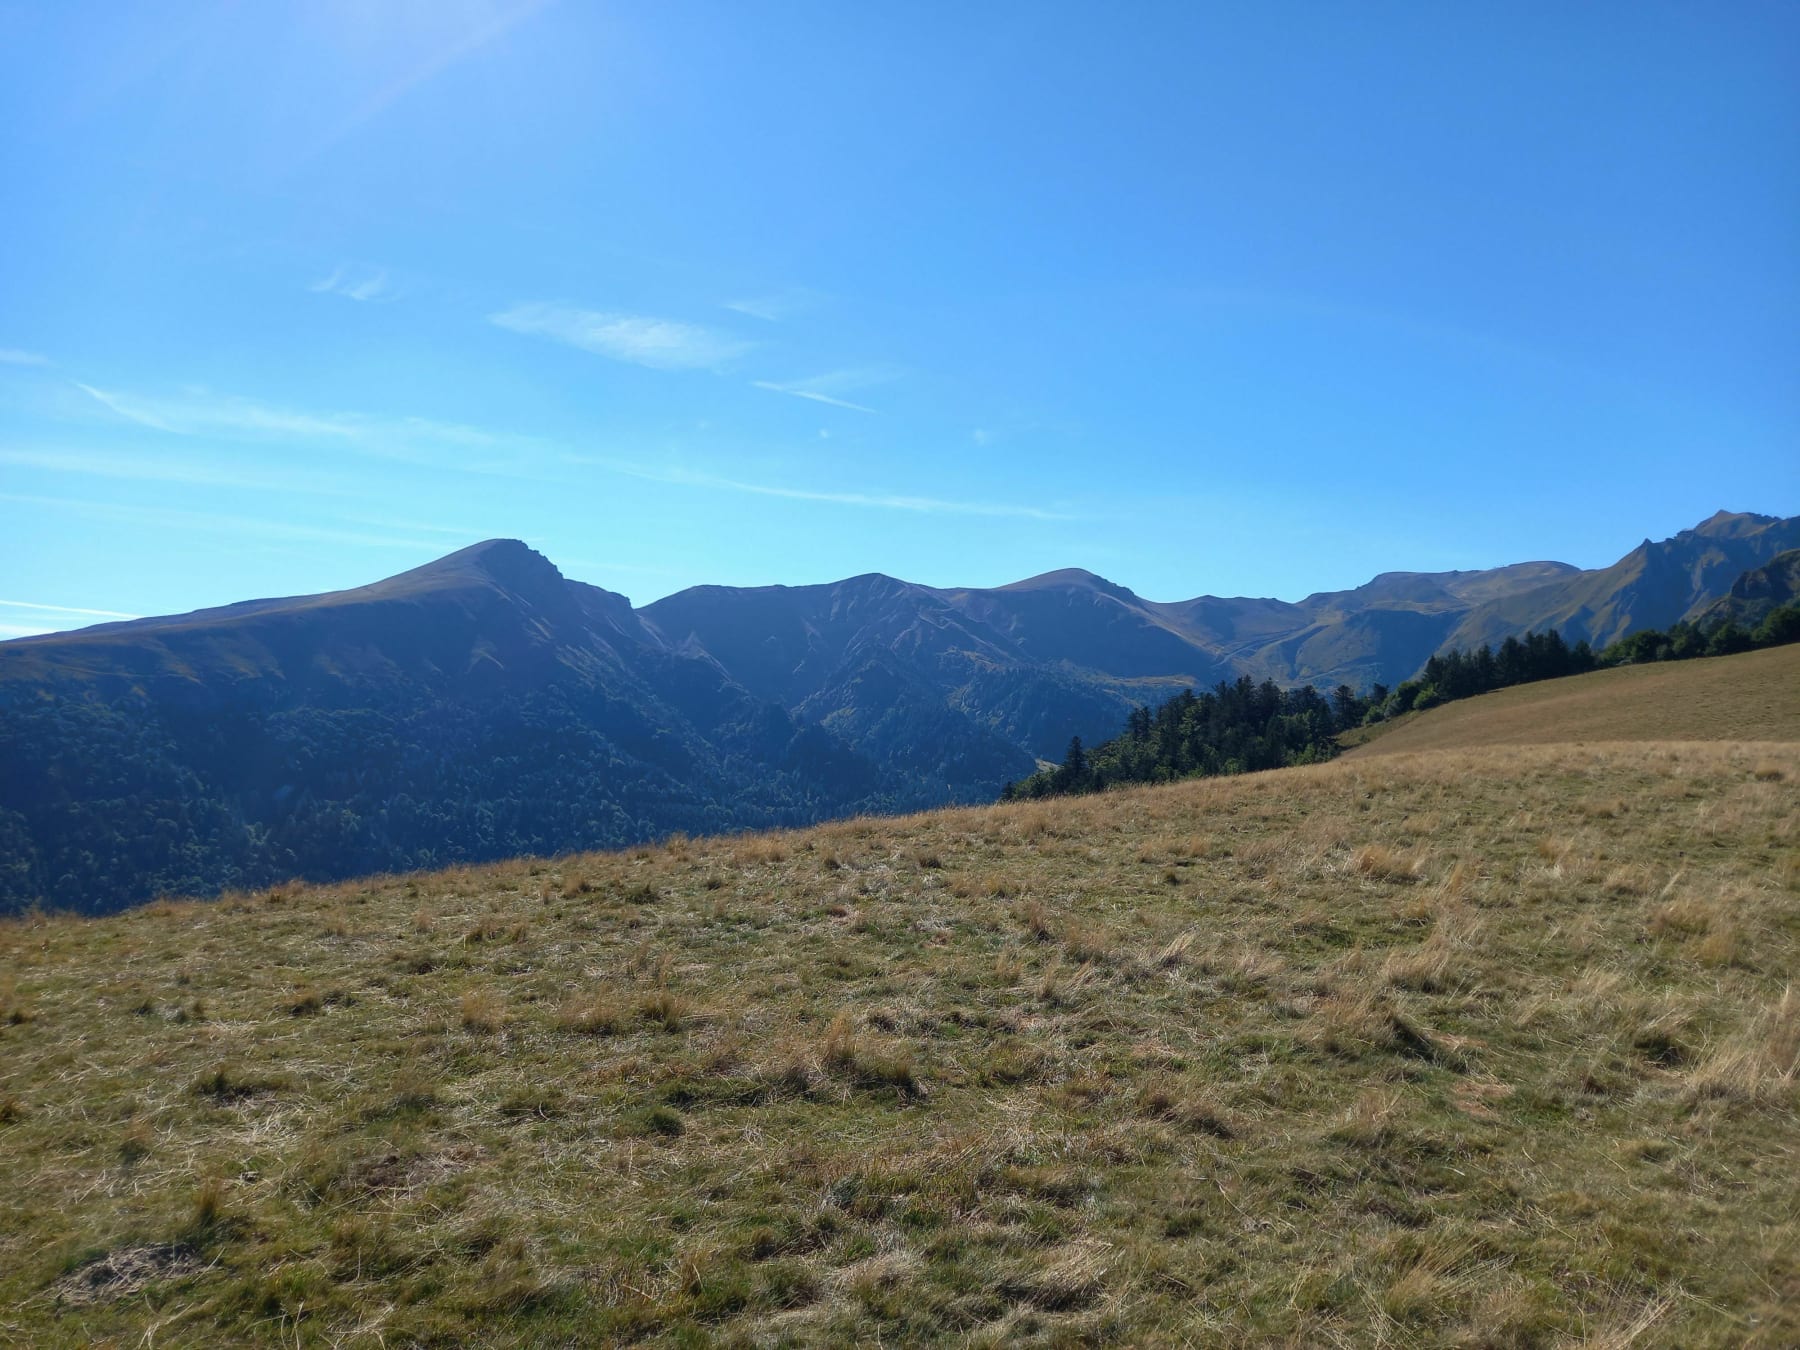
x=1230 y=728
x=1546 y=656
x=1244 y=727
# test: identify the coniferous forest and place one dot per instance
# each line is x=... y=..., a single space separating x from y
x=1245 y=727
x=1230 y=728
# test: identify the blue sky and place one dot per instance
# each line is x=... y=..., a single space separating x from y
x=1205 y=298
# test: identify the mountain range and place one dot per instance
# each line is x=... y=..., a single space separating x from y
x=1070 y=653
x=485 y=705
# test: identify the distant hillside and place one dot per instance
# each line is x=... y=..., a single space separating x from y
x=952 y=684
x=1070 y=653
x=1754 y=696
x=478 y=707
x=1653 y=586
x=1758 y=592
x=484 y=705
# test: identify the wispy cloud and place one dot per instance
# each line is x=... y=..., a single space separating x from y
x=435 y=444
x=662 y=344
x=778 y=307
x=409 y=440
x=259 y=528
x=812 y=394
x=831 y=387
x=198 y=413
x=55 y=618
x=147 y=466
x=356 y=283
x=66 y=609
x=879 y=501
x=13 y=356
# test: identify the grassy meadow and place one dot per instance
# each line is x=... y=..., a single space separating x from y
x=1489 y=1047
x=1672 y=701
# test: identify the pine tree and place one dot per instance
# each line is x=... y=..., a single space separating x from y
x=1073 y=775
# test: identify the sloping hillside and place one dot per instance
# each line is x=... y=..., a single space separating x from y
x=479 y=707
x=952 y=680
x=1758 y=591
x=1496 y=1046
x=1653 y=586
x=1752 y=696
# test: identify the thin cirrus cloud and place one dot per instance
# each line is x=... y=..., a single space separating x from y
x=198 y=414
x=831 y=387
x=66 y=609
x=260 y=528
x=800 y=391
x=419 y=441
x=42 y=618
x=661 y=344
x=405 y=440
x=355 y=283
x=155 y=468
x=777 y=308
x=13 y=356
x=879 y=501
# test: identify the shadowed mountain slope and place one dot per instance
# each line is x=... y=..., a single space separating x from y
x=1758 y=591
x=478 y=707
x=1031 y=664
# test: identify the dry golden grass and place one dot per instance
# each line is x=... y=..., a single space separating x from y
x=1492 y=1047
x=1675 y=701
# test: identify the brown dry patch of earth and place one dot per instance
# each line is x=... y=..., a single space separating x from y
x=126 y=1271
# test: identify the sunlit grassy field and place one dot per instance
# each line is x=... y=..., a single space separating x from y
x=1489 y=1048
x=1674 y=701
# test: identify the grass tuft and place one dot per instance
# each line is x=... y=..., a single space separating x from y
x=1381 y=862
x=866 y=1061
x=209 y=1207
x=482 y=1011
x=665 y=1010
x=592 y=1014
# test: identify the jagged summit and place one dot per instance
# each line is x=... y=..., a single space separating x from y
x=1724 y=524
x=508 y=563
